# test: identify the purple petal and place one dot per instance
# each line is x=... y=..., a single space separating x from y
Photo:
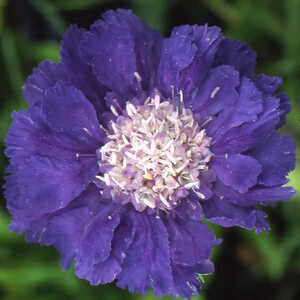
x=249 y=135
x=64 y=228
x=269 y=195
x=246 y=109
x=160 y=268
x=267 y=84
x=277 y=156
x=136 y=265
x=114 y=100
x=222 y=212
x=216 y=93
x=148 y=260
x=236 y=54
x=95 y=246
x=122 y=52
x=190 y=208
x=238 y=171
x=185 y=278
x=79 y=72
x=284 y=107
x=81 y=123
x=255 y=196
x=186 y=58
x=43 y=77
x=30 y=134
x=190 y=241
x=44 y=185
x=108 y=270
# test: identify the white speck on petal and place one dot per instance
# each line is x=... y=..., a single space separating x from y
x=214 y=92
x=137 y=76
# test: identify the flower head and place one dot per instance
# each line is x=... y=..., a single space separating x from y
x=132 y=139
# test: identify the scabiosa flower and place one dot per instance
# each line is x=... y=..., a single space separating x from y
x=132 y=139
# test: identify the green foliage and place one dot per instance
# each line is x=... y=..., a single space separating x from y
x=270 y=27
x=77 y=4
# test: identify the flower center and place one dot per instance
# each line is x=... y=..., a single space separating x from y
x=155 y=154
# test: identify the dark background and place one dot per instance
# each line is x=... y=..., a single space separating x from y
x=248 y=266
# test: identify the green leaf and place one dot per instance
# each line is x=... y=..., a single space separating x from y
x=51 y=14
x=77 y=4
x=153 y=12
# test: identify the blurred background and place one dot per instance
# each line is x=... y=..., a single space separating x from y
x=248 y=266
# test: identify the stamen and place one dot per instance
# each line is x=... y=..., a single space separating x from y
x=114 y=111
x=85 y=155
x=156 y=154
x=181 y=96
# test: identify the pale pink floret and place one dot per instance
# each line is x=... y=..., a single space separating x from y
x=155 y=153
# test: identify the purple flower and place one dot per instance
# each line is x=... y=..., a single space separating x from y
x=132 y=138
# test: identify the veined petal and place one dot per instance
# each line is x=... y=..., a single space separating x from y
x=222 y=212
x=43 y=77
x=186 y=279
x=79 y=72
x=148 y=259
x=249 y=135
x=96 y=242
x=238 y=171
x=44 y=185
x=81 y=124
x=236 y=54
x=216 y=93
x=190 y=241
x=246 y=109
x=108 y=270
x=64 y=228
x=276 y=155
x=186 y=58
x=123 y=52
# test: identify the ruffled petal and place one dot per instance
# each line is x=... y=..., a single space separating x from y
x=190 y=208
x=268 y=84
x=81 y=123
x=72 y=70
x=246 y=109
x=108 y=270
x=64 y=228
x=186 y=279
x=43 y=77
x=255 y=196
x=266 y=196
x=123 y=52
x=186 y=58
x=277 y=157
x=44 y=185
x=136 y=265
x=148 y=259
x=221 y=211
x=216 y=93
x=249 y=135
x=79 y=72
x=238 y=171
x=236 y=54
x=96 y=243
x=284 y=107
x=190 y=241
x=52 y=133
x=42 y=150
